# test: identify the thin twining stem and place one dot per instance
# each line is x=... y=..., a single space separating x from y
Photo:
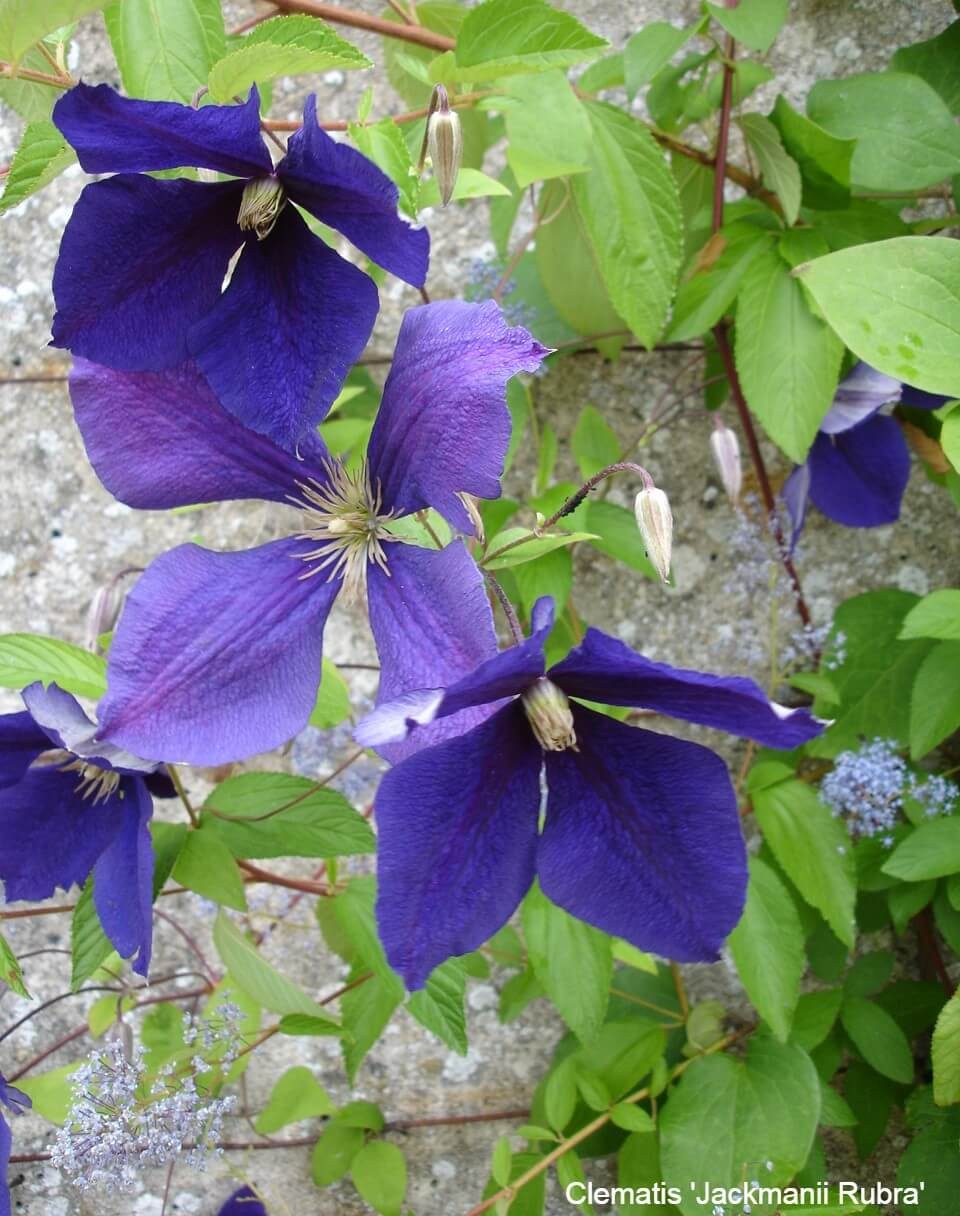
x=508 y=610
x=406 y=32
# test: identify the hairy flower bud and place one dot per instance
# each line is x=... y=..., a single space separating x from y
x=260 y=205
x=655 y=521
x=104 y=608
x=726 y=456
x=445 y=143
x=550 y=717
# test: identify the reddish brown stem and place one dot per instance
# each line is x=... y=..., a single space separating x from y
x=280 y=880
x=362 y=21
x=931 y=950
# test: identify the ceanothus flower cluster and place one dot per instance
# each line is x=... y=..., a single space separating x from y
x=867 y=787
x=123 y=1119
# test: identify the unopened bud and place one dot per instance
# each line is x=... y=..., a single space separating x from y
x=655 y=521
x=726 y=456
x=445 y=143
x=549 y=714
x=260 y=206
x=105 y=608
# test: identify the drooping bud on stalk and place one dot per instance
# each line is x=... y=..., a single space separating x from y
x=726 y=456
x=260 y=206
x=655 y=521
x=105 y=608
x=444 y=142
x=550 y=717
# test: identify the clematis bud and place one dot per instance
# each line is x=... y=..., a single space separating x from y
x=550 y=717
x=726 y=456
x=655 y=521
x=445 y=143
x=105 y=608
x=260 y=205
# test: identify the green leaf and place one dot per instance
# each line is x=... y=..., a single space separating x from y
x=24 y=22
x=254 y=975
x=630 y=212
x=384 y=144
x=906 y=899
x=877 y=674
x=296 y=1095
x=788 y=360
x=931 y=1162
x=334 y=1153
x=630 y=1117
x=594 y=443
x=282 y=46
x=824 y=159
x=471 y=183
x=755 y=23
x=503 y=37
x=31 y=100
x=931 y=850
x=501 y=557
x=871 y=1097
x=945 y=1053
x=281 y=815
x=26 y=657
x=51 y=1093
x=439 y=1005
x=649 y=50
x=379 y=1173
x=165 y=48
x=779 y=170
x=43 y=154
x=572 y=960
x=936 y=62
x=727 y=1112
x=767 y=948
x=935 y=699
x=547 y=128
x=877 y=1038
x=814 y=1017
x=333 y=699
x=813 y=850
x=206 y=866
x=90 y=946
x=560 y=1095
x=906 y=136
x=936 y=616
x=896 y=304
x=868 y=974
x=706 y=295
x=834 y=1110
x=11 y=972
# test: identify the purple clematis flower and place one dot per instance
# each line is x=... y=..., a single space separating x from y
x=641 y=836
x=217 y=655
x=138 y=283
x=71 y=806
x=859 y=465
x=241 y=1203
x=16 y=1102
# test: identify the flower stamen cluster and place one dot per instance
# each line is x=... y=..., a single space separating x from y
x=95 y=784
x=346 y=521
x=548 y=712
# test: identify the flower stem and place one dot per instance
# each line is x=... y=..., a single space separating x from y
x=12 y=72
x=575 y=499
x=362 y=21
x=508 y=610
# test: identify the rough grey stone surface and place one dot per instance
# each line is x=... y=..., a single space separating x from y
x=61 y=536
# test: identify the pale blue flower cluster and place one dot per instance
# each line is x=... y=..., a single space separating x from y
x=867 y=787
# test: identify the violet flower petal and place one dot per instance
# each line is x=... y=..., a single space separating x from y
x=21 y=741
x=123 y=880
x=141 y=260
x=603 y=669
x=796 y=498
x=919 y=399
x=276 y=346
x=344 y=189
x=61 y=717
x=443 y=425
x=217 y=655
x=457 y=837
x=161 y=439
x=242 y=1203
x=858 y=478
x=642 y=839
x=859 y=395
x=6 y=1144
x=115 y=134
x=405 y=711
x=50 y=836
x=432 y=623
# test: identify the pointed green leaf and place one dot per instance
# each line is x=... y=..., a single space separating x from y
x=26 y=657
x=43 y=154
x=503 y=37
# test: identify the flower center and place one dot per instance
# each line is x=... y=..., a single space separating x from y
x=95 y=783
x=550 y=717
x=260 y=206
x=344 y=518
